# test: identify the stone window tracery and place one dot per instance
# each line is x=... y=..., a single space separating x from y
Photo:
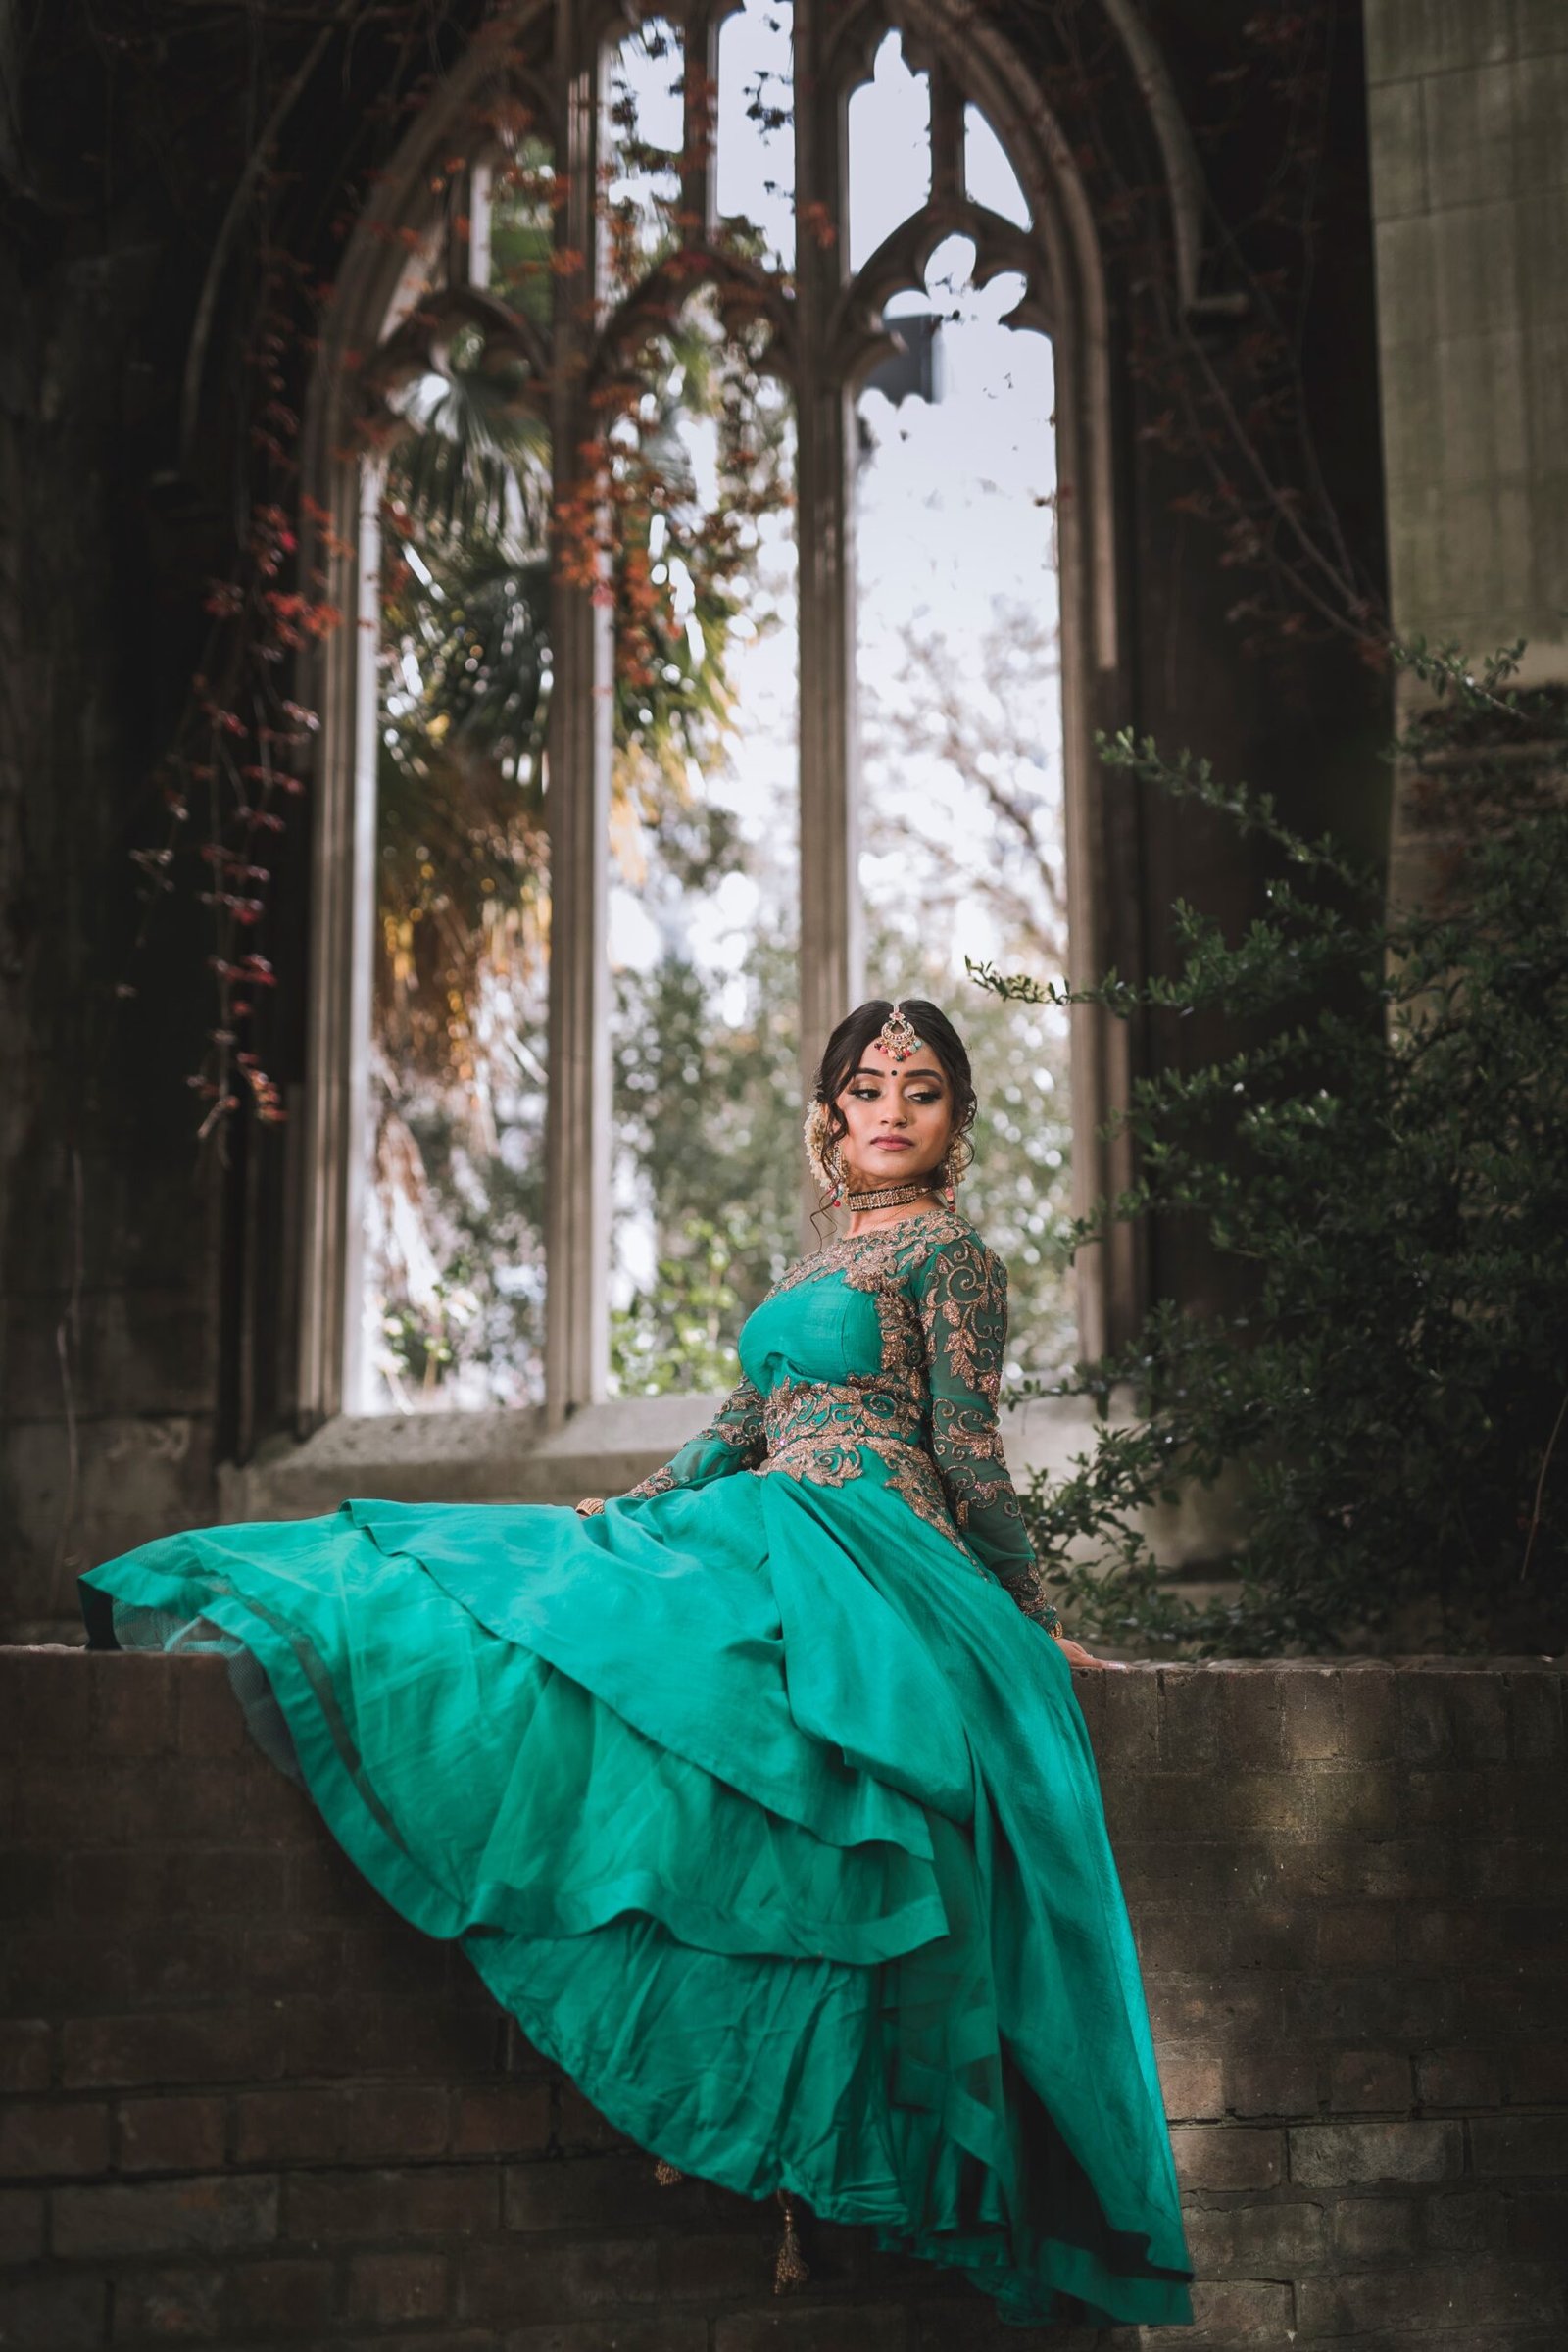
x=648 y=212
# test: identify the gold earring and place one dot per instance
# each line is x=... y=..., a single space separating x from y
x=956 y=1162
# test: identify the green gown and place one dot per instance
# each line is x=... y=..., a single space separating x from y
x=762 y=1799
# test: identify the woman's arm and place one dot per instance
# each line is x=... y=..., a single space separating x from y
x=962 y=1291
x=734 y=1439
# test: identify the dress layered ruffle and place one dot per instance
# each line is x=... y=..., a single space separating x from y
x=772 y=1820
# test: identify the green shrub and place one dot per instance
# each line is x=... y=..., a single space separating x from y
x=1383 y=1161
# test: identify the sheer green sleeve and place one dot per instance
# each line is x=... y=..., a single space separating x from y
x=734 y=1439
x=963 y=1295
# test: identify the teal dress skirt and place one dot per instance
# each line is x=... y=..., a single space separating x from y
x=762 y=1799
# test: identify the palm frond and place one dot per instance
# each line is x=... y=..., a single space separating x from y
x=476 y=463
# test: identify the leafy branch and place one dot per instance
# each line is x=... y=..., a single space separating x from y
x=1383 y=1161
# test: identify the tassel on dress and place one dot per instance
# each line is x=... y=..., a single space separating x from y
x=666 y=2174
x=790 y=2270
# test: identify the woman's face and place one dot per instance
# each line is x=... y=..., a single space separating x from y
x=899 y=1117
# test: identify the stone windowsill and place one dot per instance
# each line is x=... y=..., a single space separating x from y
x=463 y=1457
x=603 y=1450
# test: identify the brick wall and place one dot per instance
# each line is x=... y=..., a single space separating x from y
x=246 y=2107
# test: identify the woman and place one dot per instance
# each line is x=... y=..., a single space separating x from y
x=761 y=1796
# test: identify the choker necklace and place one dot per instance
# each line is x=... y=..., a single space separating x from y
x=888 y=1196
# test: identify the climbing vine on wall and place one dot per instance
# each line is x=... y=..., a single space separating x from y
x=233 y=780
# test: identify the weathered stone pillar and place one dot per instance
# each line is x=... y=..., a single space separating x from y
x=342 y=954
x=1467 y=106
x=831 y=980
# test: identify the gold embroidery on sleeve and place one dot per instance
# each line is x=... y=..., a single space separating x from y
x=738 y=1425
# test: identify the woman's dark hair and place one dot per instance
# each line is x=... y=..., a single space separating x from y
x=841 y=1057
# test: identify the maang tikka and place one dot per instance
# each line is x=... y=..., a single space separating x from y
x=898 y=1036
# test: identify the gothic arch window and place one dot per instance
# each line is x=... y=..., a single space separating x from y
x=635 y=248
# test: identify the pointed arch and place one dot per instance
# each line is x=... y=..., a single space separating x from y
x=548 y=56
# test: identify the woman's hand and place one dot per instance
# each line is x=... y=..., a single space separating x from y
x=590 y=1506
x=1076 y=1655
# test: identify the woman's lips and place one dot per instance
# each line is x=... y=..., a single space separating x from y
x=894 y=1143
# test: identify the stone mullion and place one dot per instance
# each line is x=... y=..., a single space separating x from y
x=578 y=794
x=342 y=961
x=480 y=178
x=466 y=238
x=946 y=137
x=698 y=125
x=830 y=908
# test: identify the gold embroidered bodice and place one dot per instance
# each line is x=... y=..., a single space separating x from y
x=885 y=1347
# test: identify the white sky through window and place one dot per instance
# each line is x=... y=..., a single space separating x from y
x=648 y=61
x=754 y=156
x=988 y=176
x=890 y=151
